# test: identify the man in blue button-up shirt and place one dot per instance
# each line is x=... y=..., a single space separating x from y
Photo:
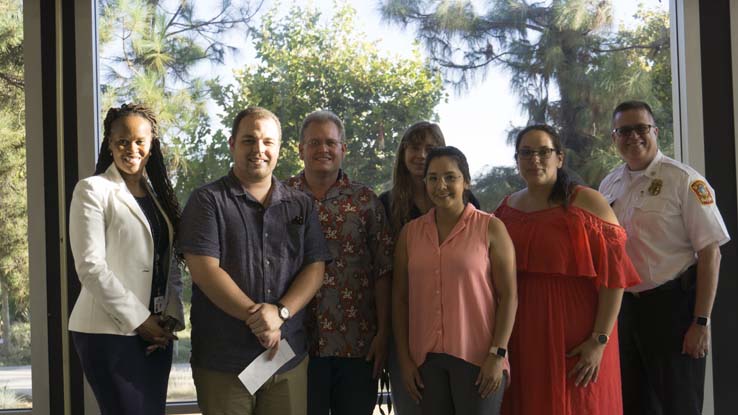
x=257 y=255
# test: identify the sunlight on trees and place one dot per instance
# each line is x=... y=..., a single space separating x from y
x=305 y=64
x=14 y=301
x=567 y=66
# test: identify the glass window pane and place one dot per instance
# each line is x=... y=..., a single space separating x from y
x=569 y=68
x=15 y=326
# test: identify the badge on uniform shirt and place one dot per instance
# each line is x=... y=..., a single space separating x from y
x=700 y=189
x=655 y=188
x=158 y=304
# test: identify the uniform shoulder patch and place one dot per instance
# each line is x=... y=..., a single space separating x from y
x=699 y=187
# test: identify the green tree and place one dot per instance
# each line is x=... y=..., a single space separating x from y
x=566 y=65
x=305 y=63
x=493 y=185
x=150 y=51
x=13 y=205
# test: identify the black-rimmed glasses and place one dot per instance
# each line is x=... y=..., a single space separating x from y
x=626 y=130
x=543 y=153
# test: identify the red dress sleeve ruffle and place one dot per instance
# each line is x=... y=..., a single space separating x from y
x=569 y=242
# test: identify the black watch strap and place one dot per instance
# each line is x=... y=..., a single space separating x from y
x=702 y=321
x=284 y=312
x=499 y=351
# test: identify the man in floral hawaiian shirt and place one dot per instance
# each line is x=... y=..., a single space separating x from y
x=348 y=320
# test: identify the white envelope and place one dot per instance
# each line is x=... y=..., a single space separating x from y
x=261 y=369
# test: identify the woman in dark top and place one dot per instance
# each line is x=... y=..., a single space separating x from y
x=122 y=227
x=408 y=200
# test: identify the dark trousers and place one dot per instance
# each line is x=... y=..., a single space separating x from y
x=124 y=380
x=657 y=378
x=450 y=389
x=402 y=402
x=341 y=386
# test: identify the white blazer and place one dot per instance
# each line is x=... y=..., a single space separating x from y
x=113 y=253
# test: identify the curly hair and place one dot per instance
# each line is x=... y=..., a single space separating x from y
x=156 y=169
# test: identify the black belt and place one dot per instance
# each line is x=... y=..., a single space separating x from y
x=686 y=281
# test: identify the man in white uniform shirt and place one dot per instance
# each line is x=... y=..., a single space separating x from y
x=674 y=235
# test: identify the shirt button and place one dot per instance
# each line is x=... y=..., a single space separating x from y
x=267 y=262
x=266 y=235
x=269 y=291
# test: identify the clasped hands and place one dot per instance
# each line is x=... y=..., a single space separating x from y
x=158 y=331
x=265 y=323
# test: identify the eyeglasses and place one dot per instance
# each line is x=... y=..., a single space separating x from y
x=330 y=143
x=640 y=129
x=448 y=179
x=543 y=153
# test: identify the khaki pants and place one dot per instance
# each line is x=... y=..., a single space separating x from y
x=221 y=393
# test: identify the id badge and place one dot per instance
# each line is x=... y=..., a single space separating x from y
x=158 y=304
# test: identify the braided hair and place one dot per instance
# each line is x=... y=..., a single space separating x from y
x=156 y=169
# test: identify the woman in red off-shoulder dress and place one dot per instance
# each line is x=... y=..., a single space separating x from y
x=572 y=268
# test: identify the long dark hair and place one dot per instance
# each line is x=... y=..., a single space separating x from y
x=402 y=182
x=565 y=183
x=156 y=169
x=456 y=155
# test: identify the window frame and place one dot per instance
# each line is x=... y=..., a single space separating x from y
x=81 y=27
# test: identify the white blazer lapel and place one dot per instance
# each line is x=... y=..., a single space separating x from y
x=126 y=197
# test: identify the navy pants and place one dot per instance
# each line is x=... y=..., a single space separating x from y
x=657 y=378
x=124 y=380
x=341 y=386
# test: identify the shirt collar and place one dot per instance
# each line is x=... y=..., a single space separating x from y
x=652 y=170
x=654 y=167
x=430 y=217
x=342 y=185
x=235 y=187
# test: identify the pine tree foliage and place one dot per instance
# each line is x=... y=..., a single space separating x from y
x=149 y=51
x=567 y=64
x=13 y=205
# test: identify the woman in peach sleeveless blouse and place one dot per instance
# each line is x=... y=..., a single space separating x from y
x=454 y=297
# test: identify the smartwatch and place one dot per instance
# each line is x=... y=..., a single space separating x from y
x=498 y=351
x=702 y=321
x=601 y=338
x=284 y=312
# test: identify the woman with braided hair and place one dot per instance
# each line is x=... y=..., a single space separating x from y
x=122 y=227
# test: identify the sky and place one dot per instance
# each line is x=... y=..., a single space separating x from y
x=475 y=120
